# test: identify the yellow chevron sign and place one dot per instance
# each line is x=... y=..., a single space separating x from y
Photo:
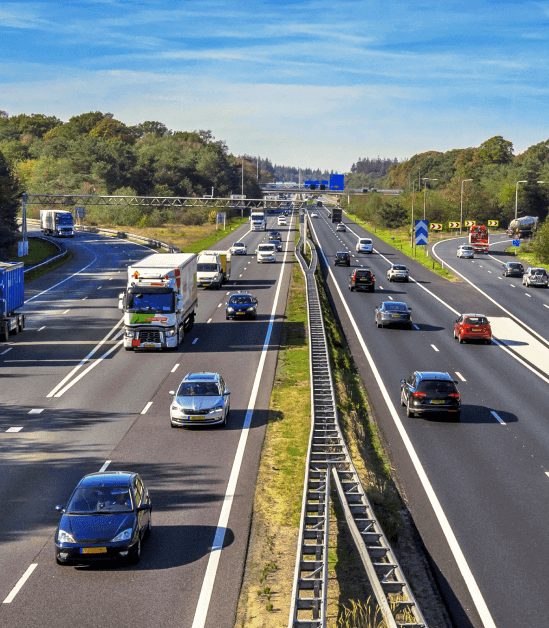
x=435 y=226
x=493 y=223
x=455 y=225
x=470 y=223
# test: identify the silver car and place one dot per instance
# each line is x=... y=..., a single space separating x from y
x=398 y=272
x=239 y=248
x=201 y=399
x=536 y=277
x=466 y=251
x=341 y=227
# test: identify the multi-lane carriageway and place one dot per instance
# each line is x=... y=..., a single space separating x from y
x=477 y=489
x=62 y=416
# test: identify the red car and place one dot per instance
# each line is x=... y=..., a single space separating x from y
x=473 y=327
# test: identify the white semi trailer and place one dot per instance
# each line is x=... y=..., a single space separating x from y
x=57 y=222
x=160 y=301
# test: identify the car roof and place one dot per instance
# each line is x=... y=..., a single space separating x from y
x=241 y=294
x=470 y=314
x=433 y=375
x=201 y=377
x=394 y=303
x=111 y=478
x=398 y=266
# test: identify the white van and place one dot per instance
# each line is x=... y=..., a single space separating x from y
x=364 y=245
x=266 y=253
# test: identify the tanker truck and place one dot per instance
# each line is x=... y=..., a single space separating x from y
x=160 y=301
x=523 y=227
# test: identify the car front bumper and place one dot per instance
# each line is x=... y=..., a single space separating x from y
x=87 y=553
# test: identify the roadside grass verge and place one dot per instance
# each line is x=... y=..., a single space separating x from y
x=267 y=586
x=525 y=255
x=39 y=251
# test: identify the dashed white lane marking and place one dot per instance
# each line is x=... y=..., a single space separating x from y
x=20 y=583
x=381 y=287
x=195 y=340
x=36 y=411
x=228 y=293
x=14 y=429
x=99 y=287
x=176 y=367
x=149 y=404
x=490 y=271
x=239 y=276
x=461 y=376
x=545 y=305
x=6 y=351
x=41 y=328
x=84 y=298
x=528 y=295
x=209 y=321
x=496 y=416
x=104 y=467
x=390 y=297
x=435 y=348
x=512 y=285
x=66 y=311
x=501 y=278
x=220 y=305
x=415 y=326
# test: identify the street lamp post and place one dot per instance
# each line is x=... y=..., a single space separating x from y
x=461 y=210
x=425 y=192
x=413 y=224
x=516 y=197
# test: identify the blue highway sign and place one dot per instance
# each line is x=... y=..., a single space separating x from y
x=421 y=232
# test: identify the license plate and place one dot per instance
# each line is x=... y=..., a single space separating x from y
x=93 y=550
x=476 y=329
x=436 y=401
x=395 y=315
x=148 y=344
x=196 y=418
x=362 y=279
x=240 y=313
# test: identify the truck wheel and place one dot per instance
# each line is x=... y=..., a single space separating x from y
x=189 y=323
x=5 y=332
x=128 y=348
x=22 y=322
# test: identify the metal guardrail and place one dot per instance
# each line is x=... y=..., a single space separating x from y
x=327 y=454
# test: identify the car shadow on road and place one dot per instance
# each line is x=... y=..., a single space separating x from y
x=481 y=414
x=425 y=327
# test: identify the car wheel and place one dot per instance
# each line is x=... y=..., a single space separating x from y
x=348 y=263
x=406 y=280
x=136 y=556
x=128 y=348
x=377 y=323
x=62 y=563
x=351 y=288
x=410 y=325
x=372 y=289
x=488 y=342
x=456 y=416
x=402 y=400
x=461 y=340
x=455 y=337
x=173 y=424
x=409 y=413
x=149 y=524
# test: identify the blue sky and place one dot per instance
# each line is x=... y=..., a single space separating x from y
x=316 y=83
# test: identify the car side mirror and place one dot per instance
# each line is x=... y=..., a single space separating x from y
x=172 y=392
x=60 y=509
x=227 y=392
x=456 y=382
x=402 y=381
x=409 y=309
x=144 y=507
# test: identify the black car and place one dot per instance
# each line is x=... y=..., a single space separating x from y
x=240 y=305
x=107 y=518
x=275 y=235
x=362 y=279
x=276 y=241
x=393 y=313
x=513 y=269
x=430 y=392
x=342 y=258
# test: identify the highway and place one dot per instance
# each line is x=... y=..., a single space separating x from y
x=73 y=402
x=476 y=489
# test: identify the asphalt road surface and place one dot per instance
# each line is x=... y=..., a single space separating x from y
x=73 y=402
x=476 y=488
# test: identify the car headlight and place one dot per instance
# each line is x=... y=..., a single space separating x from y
x=251 y=309
x=129 y=333
x=216 y=409
x=170 y=332
x=65 y=537
x=230 y=309
x=123 y=536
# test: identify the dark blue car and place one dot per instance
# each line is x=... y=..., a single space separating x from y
x=107 y=517
x=241 y=305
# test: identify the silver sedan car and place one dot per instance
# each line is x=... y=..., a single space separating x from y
x=201 y=399
x=239 y=248
x=466 y=251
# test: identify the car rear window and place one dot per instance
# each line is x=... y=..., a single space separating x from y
x=394 y=307
x=365 y=241
x=399 y=267
x=360 y=274
x=439 y=386
x=475 y=320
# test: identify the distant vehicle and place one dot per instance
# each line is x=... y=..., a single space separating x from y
x=319 y=203
x=314 y=214
x=336 y=213
x=472 y=327
x=266 y=253
x=364 y=245
x=213 y=269
x=426 y=392
x=536 y=277
x=240 y=305
x=523 y=227
x=393 y=313
x=398 y=272
x=201 y=399
x=258 y=220
x=342 y=258
x=12 y=297
x=341 y=227
x=513 y=269
x=362 y=279
x=478 y=238
x=282 y=220
x=465 y=251
x=239 y=248
x=57 y=222
x=108 y=517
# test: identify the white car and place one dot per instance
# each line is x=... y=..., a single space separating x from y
x=239 y=248
x=314 y=214
x=398 y=272
x=364 y=245
x=466 y=251
x=201 y=399
x=282 y=220
x=266 y=253
x=341 y=227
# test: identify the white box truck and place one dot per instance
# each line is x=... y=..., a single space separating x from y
x=258 y=220
x=213 y=269
x=57 y=222
x=160 y=301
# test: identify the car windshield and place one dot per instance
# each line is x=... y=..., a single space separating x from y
x=150 y=302
x=475 y=320
x=265 y=247
x=239 y=244
x=100 y=499
x=394 y=307
x=438 y=386
x=207 y=268
x=240 y=299
x=514 y=265
x=198 y=389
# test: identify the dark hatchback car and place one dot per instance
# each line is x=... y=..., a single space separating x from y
x=426 y=392
x=362 y=279
x=393 y=313
x=513 y=269
x=241 y=305
x=108 y=517
x=342 y=258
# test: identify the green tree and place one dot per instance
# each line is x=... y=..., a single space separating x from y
x=496 y=150
x=37 y=124
x=9 y=205
x=540 y=245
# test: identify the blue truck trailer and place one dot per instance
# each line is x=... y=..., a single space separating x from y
x=12 y=297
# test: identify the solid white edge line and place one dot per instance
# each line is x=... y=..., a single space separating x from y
x=203 y=604
x=104 y=467
x=85 y=360
x=451 y=539
x=149 y=404
x=20 y=583
x=496 y=416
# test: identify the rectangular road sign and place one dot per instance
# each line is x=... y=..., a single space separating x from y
x=421 y=232
x=337 y=182
x=493 y=223
x=455 y=225
x=470 y=223
x=435 y=226
x=516 y=242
